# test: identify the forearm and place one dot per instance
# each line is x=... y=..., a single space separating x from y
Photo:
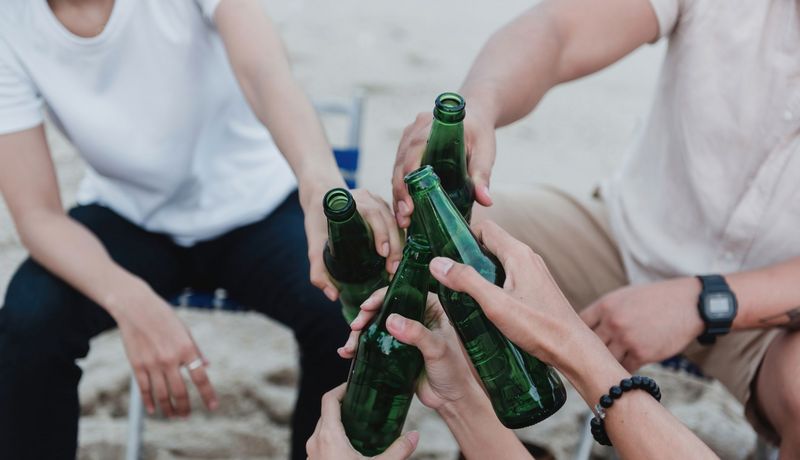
x=478 y=431
x=554 y=42
x=515 y=68
x=71 y=252
x=638 y=425
x=262 y=69
x=768 y=297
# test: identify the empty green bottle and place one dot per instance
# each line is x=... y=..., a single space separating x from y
x=446 y=151
x=523 y=390
x=350 y=257
x=384 y=371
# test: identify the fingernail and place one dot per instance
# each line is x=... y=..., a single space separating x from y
x=396 y=322
x=330 y=293
x=413 y=437
x=486 y=191
x=441 y=265
x=403 y=208
x=385 y=249
x=151 y=411
x=394 y=266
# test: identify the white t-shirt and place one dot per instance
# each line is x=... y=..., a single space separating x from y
x=152 y=105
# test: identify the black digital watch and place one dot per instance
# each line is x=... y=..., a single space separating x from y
x=717 y=307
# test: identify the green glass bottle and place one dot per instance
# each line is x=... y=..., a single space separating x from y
x=446 y=151
x=384 y=371
x=350 y=257
x=523 y=390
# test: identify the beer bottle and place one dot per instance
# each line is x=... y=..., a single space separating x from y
x=523 y=390
x=384 y=371
x=350 y=257
x=446 y=151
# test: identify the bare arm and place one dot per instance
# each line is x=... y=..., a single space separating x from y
x=262 y=68
x=768 y=297
x=532 y=312
x=156 y=341
x=553 y=42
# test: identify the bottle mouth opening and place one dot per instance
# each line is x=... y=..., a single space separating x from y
x=450 y=102
x=338 y=204
x=421 y=179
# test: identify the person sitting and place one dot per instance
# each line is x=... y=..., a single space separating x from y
x=206 y=163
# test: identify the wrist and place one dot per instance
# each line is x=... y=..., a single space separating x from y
x=125 y=294
x=460 y=411
x=481 y=104
x=590 y=367
x=313 y=186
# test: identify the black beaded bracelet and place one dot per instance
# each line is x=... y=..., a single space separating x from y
x=637 y=382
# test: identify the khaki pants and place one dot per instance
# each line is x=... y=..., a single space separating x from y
x=574 y=239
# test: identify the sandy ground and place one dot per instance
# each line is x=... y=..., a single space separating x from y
x=402 y=54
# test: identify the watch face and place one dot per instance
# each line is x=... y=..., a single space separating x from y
x=719 y=306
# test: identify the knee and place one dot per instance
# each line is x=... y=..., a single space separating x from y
x=36 y=307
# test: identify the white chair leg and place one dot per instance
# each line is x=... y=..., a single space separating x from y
x=135 y=423
x=584 y=449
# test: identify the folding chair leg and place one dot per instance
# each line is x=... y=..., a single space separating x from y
x=584 y=449
x=135 y=423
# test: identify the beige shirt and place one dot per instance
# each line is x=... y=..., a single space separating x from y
x=713 y=182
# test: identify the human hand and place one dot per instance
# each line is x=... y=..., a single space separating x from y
x=529 y=309
x=647 y=323
x=377 y=214
x=480 y=143
x=448 y=376
x=329 y=441
x=158 y=345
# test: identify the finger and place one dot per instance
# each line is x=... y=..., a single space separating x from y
x=480 y=163
x=369 y=309
x=414 y=333
x=203 y=384
x=395 y=241
x=499 y=242
x=463 y=278
x=402 y=447
x=380 y=232
x=331 y=412
x=161 y=393
x=618 y=350
x=143 y=381
x=630 y=364
x=177 y=389
x=348 y=350
x=319 y=276
x=591 y=315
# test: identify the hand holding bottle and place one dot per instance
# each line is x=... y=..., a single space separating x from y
x=376 y=212
x=329 y=441
x=480 y=143
x=448 y=376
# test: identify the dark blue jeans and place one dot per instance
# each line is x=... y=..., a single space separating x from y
x=46 y=325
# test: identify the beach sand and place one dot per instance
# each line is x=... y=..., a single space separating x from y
x=402 y=54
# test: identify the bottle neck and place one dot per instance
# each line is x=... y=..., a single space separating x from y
x=446 y=152
x=350 y=252
x=448 y=233
x=408 y=291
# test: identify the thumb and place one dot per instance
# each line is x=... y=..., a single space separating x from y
x=414 y=333
x=463 y=278
x=481 y=161
x=402 y=448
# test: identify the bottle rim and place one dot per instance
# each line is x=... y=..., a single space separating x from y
x=419 y=174
x=450 y=107
x=338 y=204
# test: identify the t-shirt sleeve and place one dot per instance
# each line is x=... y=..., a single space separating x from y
x=20 y=102
x=208 y=7
x=667 y=13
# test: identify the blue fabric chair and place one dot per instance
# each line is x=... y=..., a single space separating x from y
x=347 y=157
